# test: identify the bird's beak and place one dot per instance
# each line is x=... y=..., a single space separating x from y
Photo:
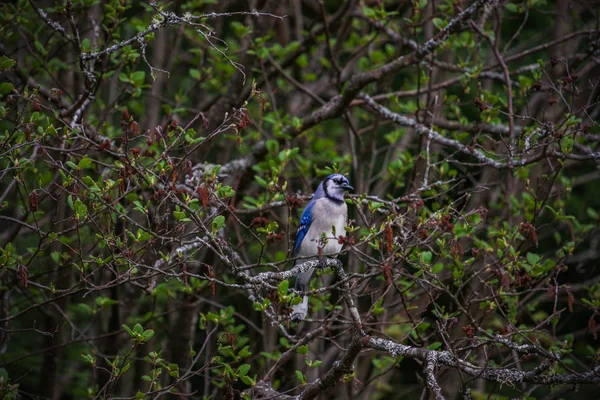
x=347 y=187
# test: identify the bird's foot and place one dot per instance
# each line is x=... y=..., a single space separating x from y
x=322 y=263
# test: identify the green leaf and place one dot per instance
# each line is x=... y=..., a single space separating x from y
x=300 y=376
x=378 y=307
x=138 y=77
x=88 y=181
x=80 y=210
x=225 y=192
x=437 y=268
x=369 y=12
x=260 y=181
x=5 y=88
x=138 y=329
x=213 y=317
x=85 y=45
x=533 y=258
x=194 y=73
x=55 y=255
x=180 y=216
x=426 y=257
x=247 y=380
x=147 y=335
x=84 y=162
x=125 y=368
x=434 y=345
x=243 y=370
x=6 y=63
x=128 y=330
x=218 y=223
x=439 y=23
x=244 y=352
x=173 y=370
x=272 y=146
x=302 y=349
x=566 y=144
x=40 y=47
x=89 y=358
x=283 y=287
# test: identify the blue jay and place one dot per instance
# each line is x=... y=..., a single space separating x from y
x=323 y=220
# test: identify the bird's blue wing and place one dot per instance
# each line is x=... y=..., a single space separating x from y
x=305 y=222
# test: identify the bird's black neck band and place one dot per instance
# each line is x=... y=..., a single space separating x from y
x=335 y=200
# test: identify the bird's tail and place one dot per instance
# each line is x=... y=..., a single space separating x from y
x=302 y=284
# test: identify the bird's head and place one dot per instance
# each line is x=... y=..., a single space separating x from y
x=335 y=185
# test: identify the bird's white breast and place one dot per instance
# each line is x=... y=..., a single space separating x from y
x=326 y=214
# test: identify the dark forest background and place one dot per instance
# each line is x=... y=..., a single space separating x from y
x=155 y=158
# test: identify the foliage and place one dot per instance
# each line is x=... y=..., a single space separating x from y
x=155 y=158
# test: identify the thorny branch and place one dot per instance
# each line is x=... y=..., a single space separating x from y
x=177 y=249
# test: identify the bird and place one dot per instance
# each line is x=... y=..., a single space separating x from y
x=322 y=221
